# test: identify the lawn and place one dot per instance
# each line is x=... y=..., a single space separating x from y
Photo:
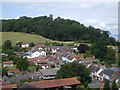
x=25 y=37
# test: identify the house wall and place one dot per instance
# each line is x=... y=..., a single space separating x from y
x=24 y=46
x=7 y=65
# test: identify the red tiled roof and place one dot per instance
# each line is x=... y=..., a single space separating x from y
x=8 y=62
x=24 y=43
x=8 y=86
x=36 y=58
x=13 y=70
x=54 y=83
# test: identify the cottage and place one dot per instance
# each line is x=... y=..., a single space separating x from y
x=34 y=53
x=12 y=71
x=25 y=45
x=8 y=64
x=111 y=74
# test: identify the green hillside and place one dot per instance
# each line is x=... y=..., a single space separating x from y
x=23 y=37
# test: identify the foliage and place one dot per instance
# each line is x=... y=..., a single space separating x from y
x=7 y=45
x=19 y=44
x=57 y=29
x=22 y=64
x=88 y=54
x=82 y=48
x=81 y=87
x=9 y=52
x=38 y=67
x=99 y=49
x=106 y=85
x=114 y=85
x=110 y=57
x=65 y=72
x=75 y=70
x=32 y=44
x=52 y=66
x=17 y=49
x=4 y=71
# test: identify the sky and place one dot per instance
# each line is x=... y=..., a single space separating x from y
x=103 y=15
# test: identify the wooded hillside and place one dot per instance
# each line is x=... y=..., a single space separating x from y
x=57 y=29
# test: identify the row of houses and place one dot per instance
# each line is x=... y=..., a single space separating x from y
x=41 y=74
x=101 y=73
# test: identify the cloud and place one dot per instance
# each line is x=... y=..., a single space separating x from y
x=100 y=15
x=60 y=0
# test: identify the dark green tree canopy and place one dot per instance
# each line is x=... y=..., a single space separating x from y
x=114 y=85
x=99 y=49
x=57 y=29
x=106 y=85
x=7 y=45
x=22 y=64
x=82 y=48
x=75 y=70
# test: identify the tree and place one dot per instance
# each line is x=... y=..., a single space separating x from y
x=38 y=67
x=75 y=70
x=114 y=85
x=22 y=64
x=9 y=52
x=83 y=48
x=106 y=85
x=32 y=44
x=4 y=71
x=99 y=49
x=65 y=72
x=7 y=44
x=57 y=29
x=110 y=57
x=53 y=66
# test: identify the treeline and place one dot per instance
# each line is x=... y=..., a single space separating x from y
x=57 y=29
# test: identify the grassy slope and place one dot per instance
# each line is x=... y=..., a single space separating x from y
x=25 y=37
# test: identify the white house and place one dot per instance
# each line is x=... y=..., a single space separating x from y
x=13 y=71
x=42 y=53
x=54 y=51
x=8 y=64
x=33 y=54
x=25 y=45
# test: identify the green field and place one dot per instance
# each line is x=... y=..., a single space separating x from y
x=25 y=37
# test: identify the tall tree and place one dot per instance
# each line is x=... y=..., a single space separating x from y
x=7 y=45
x=22 y=64
x=114 y=85
x=99 y=49
x=110 y=57
x=4 y=71
x=75 y=70
x=83 y=48
x=106 y=85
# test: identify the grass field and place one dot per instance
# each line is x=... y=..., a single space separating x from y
x=25 y=37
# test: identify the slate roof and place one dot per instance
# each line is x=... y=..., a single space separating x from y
x=109 y=72
x=45 y=72
x=94 y=85
x=115 y=69
x=94 y=67
x=17 y=78
x=26 y=86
